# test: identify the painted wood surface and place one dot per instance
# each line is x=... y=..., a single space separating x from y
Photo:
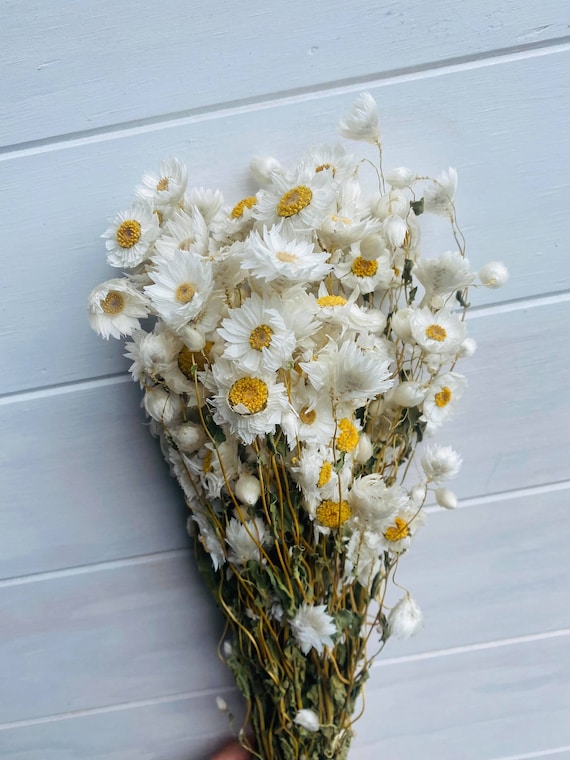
x=88 y=66
x=482 y=120
x=107 y=641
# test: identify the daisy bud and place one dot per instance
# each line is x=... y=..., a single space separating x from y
x=418 y=495
x=221 y=704
x=401 y=326
x=494 y=274
x=248 y=489
x=189 y=437
x=262 y=167
x=361 y=122
x=372 y=246
x=445 y=498
x=405 y=619
x=400 y=177
x=467 y=348
x=409 y=393
x=364 y=449
x=161 y=405
x=393 y=203
x=193 y=339
x=441 y=463
x=227 y=648
x=307 y=719
x=395 y=229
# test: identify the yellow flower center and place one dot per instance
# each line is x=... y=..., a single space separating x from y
x=307 y=416
x=184 y=245
x=398 y=531
x=333 y=514
x=239 y=208
x=188 y=359
x=331 y=301
x=364 y=268
x=250 y=392
x=322 y=168
x=260 y=337
x=443 y=397
x=162 y=184
x=128 y=233
x=294 y=201
x=113 y=303
x=207 y=463
x=286 y=256
x=436 y=332
x=185 y=292
x=324 y=475
x=348 y=437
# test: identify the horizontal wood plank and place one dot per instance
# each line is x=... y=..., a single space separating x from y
x=70 y=67
x=497 y=124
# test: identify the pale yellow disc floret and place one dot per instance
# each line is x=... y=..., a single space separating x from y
x=250 y=392
x=331 y=301
x=113 y=303
x=307 y=416
x=325 y=474
x=185 y=292
x=333 y=514
x=436 y=332
x=239 y=208
x=128 y=233
x=443 y=397
x=162 y=184
x=294 y=201
x=364 y=268
x=347 y=439
x=398 y=531
x=260 y=337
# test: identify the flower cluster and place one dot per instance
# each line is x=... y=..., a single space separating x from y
x=298 y=350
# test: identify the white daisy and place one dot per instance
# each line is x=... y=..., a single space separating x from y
x=313 y=628
x=152 y=354
x=130 y=237
x=298 y=203
x=405 y=618
x=251 y=404
x=115 y=307
x=441 y=398
x=364 y=274
x=208 y=202
x=440 y=463
x=494 y=274
x=439 y=195
x=256 y=334
x=445 y=274
x=372 y=502
x=210 y=540
x=349 y=221
x=361 y=122
x=310 y=418
x=182 y=232
x=398 y=531
x=181 y=287
x=362 y=557
x=439 y=333
x=275 y=257
x=332 y=159
x=166 y=187
x=247 y=540
x=205 y=465
x=400 y=177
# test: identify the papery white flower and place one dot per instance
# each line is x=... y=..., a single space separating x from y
x=362 y=557
x=439 y=195
x=405 y=618
x=373 y=246
x=393 y=203
x=372 y=502
x=310 y=418
x=256 y=334
x=165 y=187
x=364 y=449
x=313 y=628
x=247 y=539
x=207 y=202
x=153 y=354
x=115 y=307
x=440 y=463
x=438 y=333
x=188 y=436
x=182 y=286
x=183 y=232
x=366 y=275
x=130 y=237
x=262 y=168
x=361 y=122
x=494 y=274
x=400 y=177
x=467 y=348
x=441 y=398
x=213 y=465
x=276 y=257
x=161 y=405
x=248 y=489
x=401 y=324
x=209 y=540
x=395 y=230
x=444 y=274
x=398 y=531
x=332 y=159
x=407 y=394
x=307 y=719
x=221 y=704
x=446 y=498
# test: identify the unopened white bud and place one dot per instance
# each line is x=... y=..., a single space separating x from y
x=494 y=274
x=307 y=719
x=221 y=704
x=248 y=489
x=400 y=323
x=227 y=649
x=262 y=167
x=407 y=394
x=394 y=202
x=364 y=449
x=467 y=348
x=405 y=619
x=193 y=339
x=161 y=405
x=400 y=177
x=418 y=495
x=395 y=229
x=445 y=498
x=189 y=437
x=372 y=246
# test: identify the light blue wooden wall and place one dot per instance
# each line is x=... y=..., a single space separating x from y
x=107 y=639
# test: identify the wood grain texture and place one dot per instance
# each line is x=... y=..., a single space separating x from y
x=513 y=163
x=73 y=66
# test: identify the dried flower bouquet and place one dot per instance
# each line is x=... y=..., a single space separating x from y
x=299 y=349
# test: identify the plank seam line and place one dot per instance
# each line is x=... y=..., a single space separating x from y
x=154 y=557
x=118 y=707
x=518 y=304
x=288 y=97
x=468 y=648
x=538 y=753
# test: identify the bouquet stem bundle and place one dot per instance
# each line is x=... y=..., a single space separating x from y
x=299 y=351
